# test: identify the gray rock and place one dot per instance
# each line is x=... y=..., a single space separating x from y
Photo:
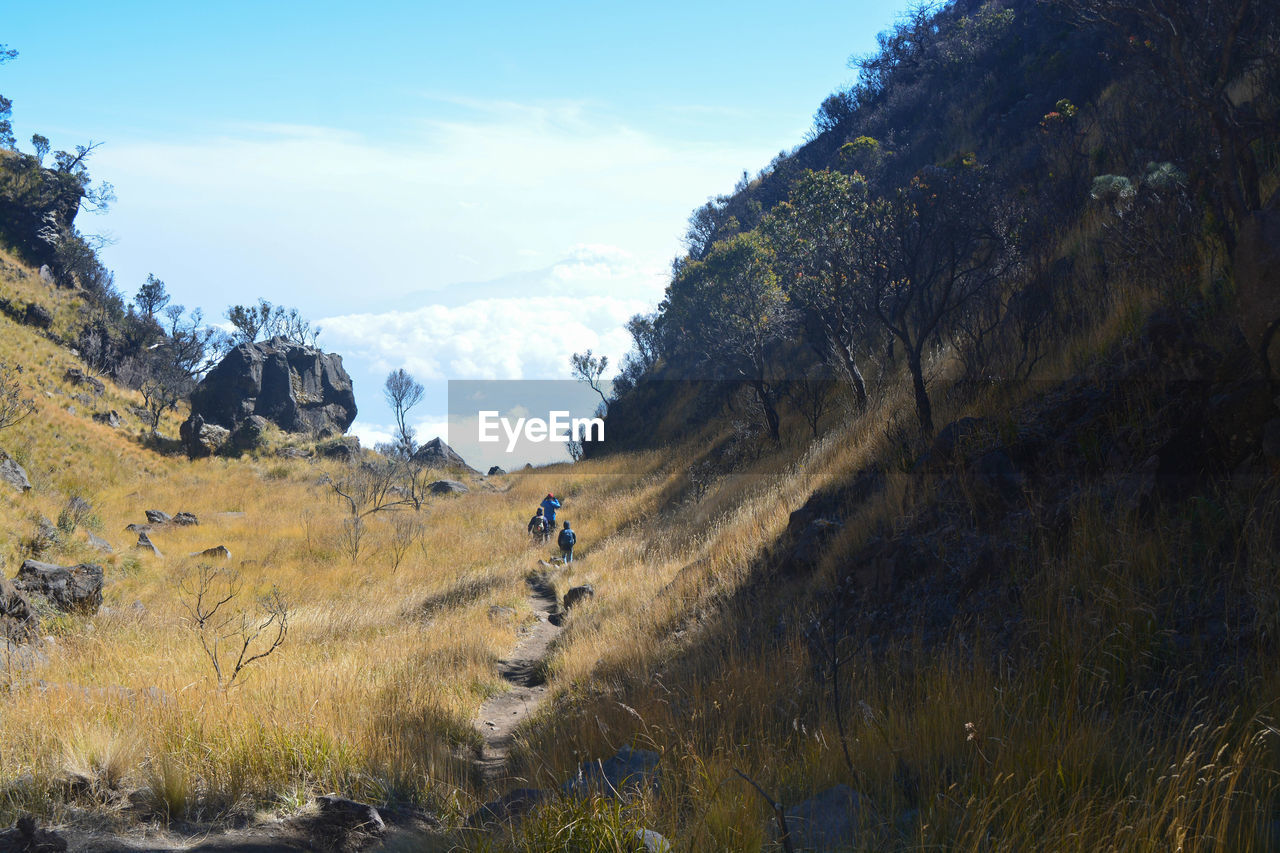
x=828 y=821
x=577 y=595
x=348 y=815
x=250 y=434
x=138 y=528
x=111 y=418
x=155 y=516
x=11 y=472
x=18 y=621
x=46 y=274
x=76 y=376
x=345 y=449
x=653 y=842
x=628 y=772
x=217 y=552
x=37 y=315
x=499 y=613
x=293 y=453
x=45 y=536
x=447 y=487
x=16 y=658
x=496 y=471
x=27 y=837
x=185 y=519
x=145 y=544
x=298 y=388
x=436 y=454
x=98 y=543
x=202 y=439
x=69 y=588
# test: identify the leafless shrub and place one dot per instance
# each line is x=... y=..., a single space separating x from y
x=232 y=636
x=14 y=405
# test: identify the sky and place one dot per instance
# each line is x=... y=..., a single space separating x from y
x=467 y=191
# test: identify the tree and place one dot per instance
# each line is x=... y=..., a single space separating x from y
x=823 y=254
x=162 y=383
x=588 y=368
x=151 y=296
x=731 y=314
x=6 y=106
x=249 y=320
x=402 y=393
x=938 y=246
x=41 y=146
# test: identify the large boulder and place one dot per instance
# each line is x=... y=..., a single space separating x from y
x=298 y=388
x=436 y=454
x=627 y=773
x=69 y=588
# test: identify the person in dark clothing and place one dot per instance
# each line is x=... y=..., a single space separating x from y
x=549 y=507
x=566 y=541
x=538 y=528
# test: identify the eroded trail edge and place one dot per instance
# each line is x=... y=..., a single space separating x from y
x=500 y=715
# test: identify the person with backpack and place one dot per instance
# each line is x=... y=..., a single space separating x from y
x=538 y=527
x=566 y=541
x=549 y=507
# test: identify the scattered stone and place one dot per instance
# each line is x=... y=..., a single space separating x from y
x=17 y=620
x=27 y=837
x=653 y=842
x=156 y=516
x=37 y=315
x=200 y=438
x=436 y=454
x=298 y=388
x=145 y=544
x=628 y=772
x=11 y=472
x=350 y=815
x=499 y=613
x=138 y=528
x=345 y=448
x=185 y=519
x=447 y=487
x=577 y=595
x=496 y=471
x=46 y=274
x=98 y=543
x=828 y=821
x=76 y=376
x=69 y=588
x=508 y=808
x=293 y=453
x=813 y=539
x=217 y=552
x=111 y=418
x=17 y=658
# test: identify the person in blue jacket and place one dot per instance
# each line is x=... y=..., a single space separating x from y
x=566 y=540
x=549 y=507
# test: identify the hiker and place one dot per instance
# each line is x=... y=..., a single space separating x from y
x=538 y=526
x=549 y=506
x=566 y=541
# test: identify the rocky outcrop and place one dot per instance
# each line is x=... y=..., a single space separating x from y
x=447 y=487
x=298 y=388
x=436 y=454
x=577 y=595
x=496 y=471
x=626 y=774
x=70 y=588
x=27 y=837
x=76 y=376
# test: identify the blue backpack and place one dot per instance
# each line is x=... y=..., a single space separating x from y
x=567 y=538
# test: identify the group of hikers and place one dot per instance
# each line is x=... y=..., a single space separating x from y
x=543 y=524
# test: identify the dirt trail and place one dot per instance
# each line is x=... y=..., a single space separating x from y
x=500 y=715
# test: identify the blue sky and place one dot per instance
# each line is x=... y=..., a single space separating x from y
x=469 y=191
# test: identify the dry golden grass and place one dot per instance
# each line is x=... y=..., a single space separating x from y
x=384 y=667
